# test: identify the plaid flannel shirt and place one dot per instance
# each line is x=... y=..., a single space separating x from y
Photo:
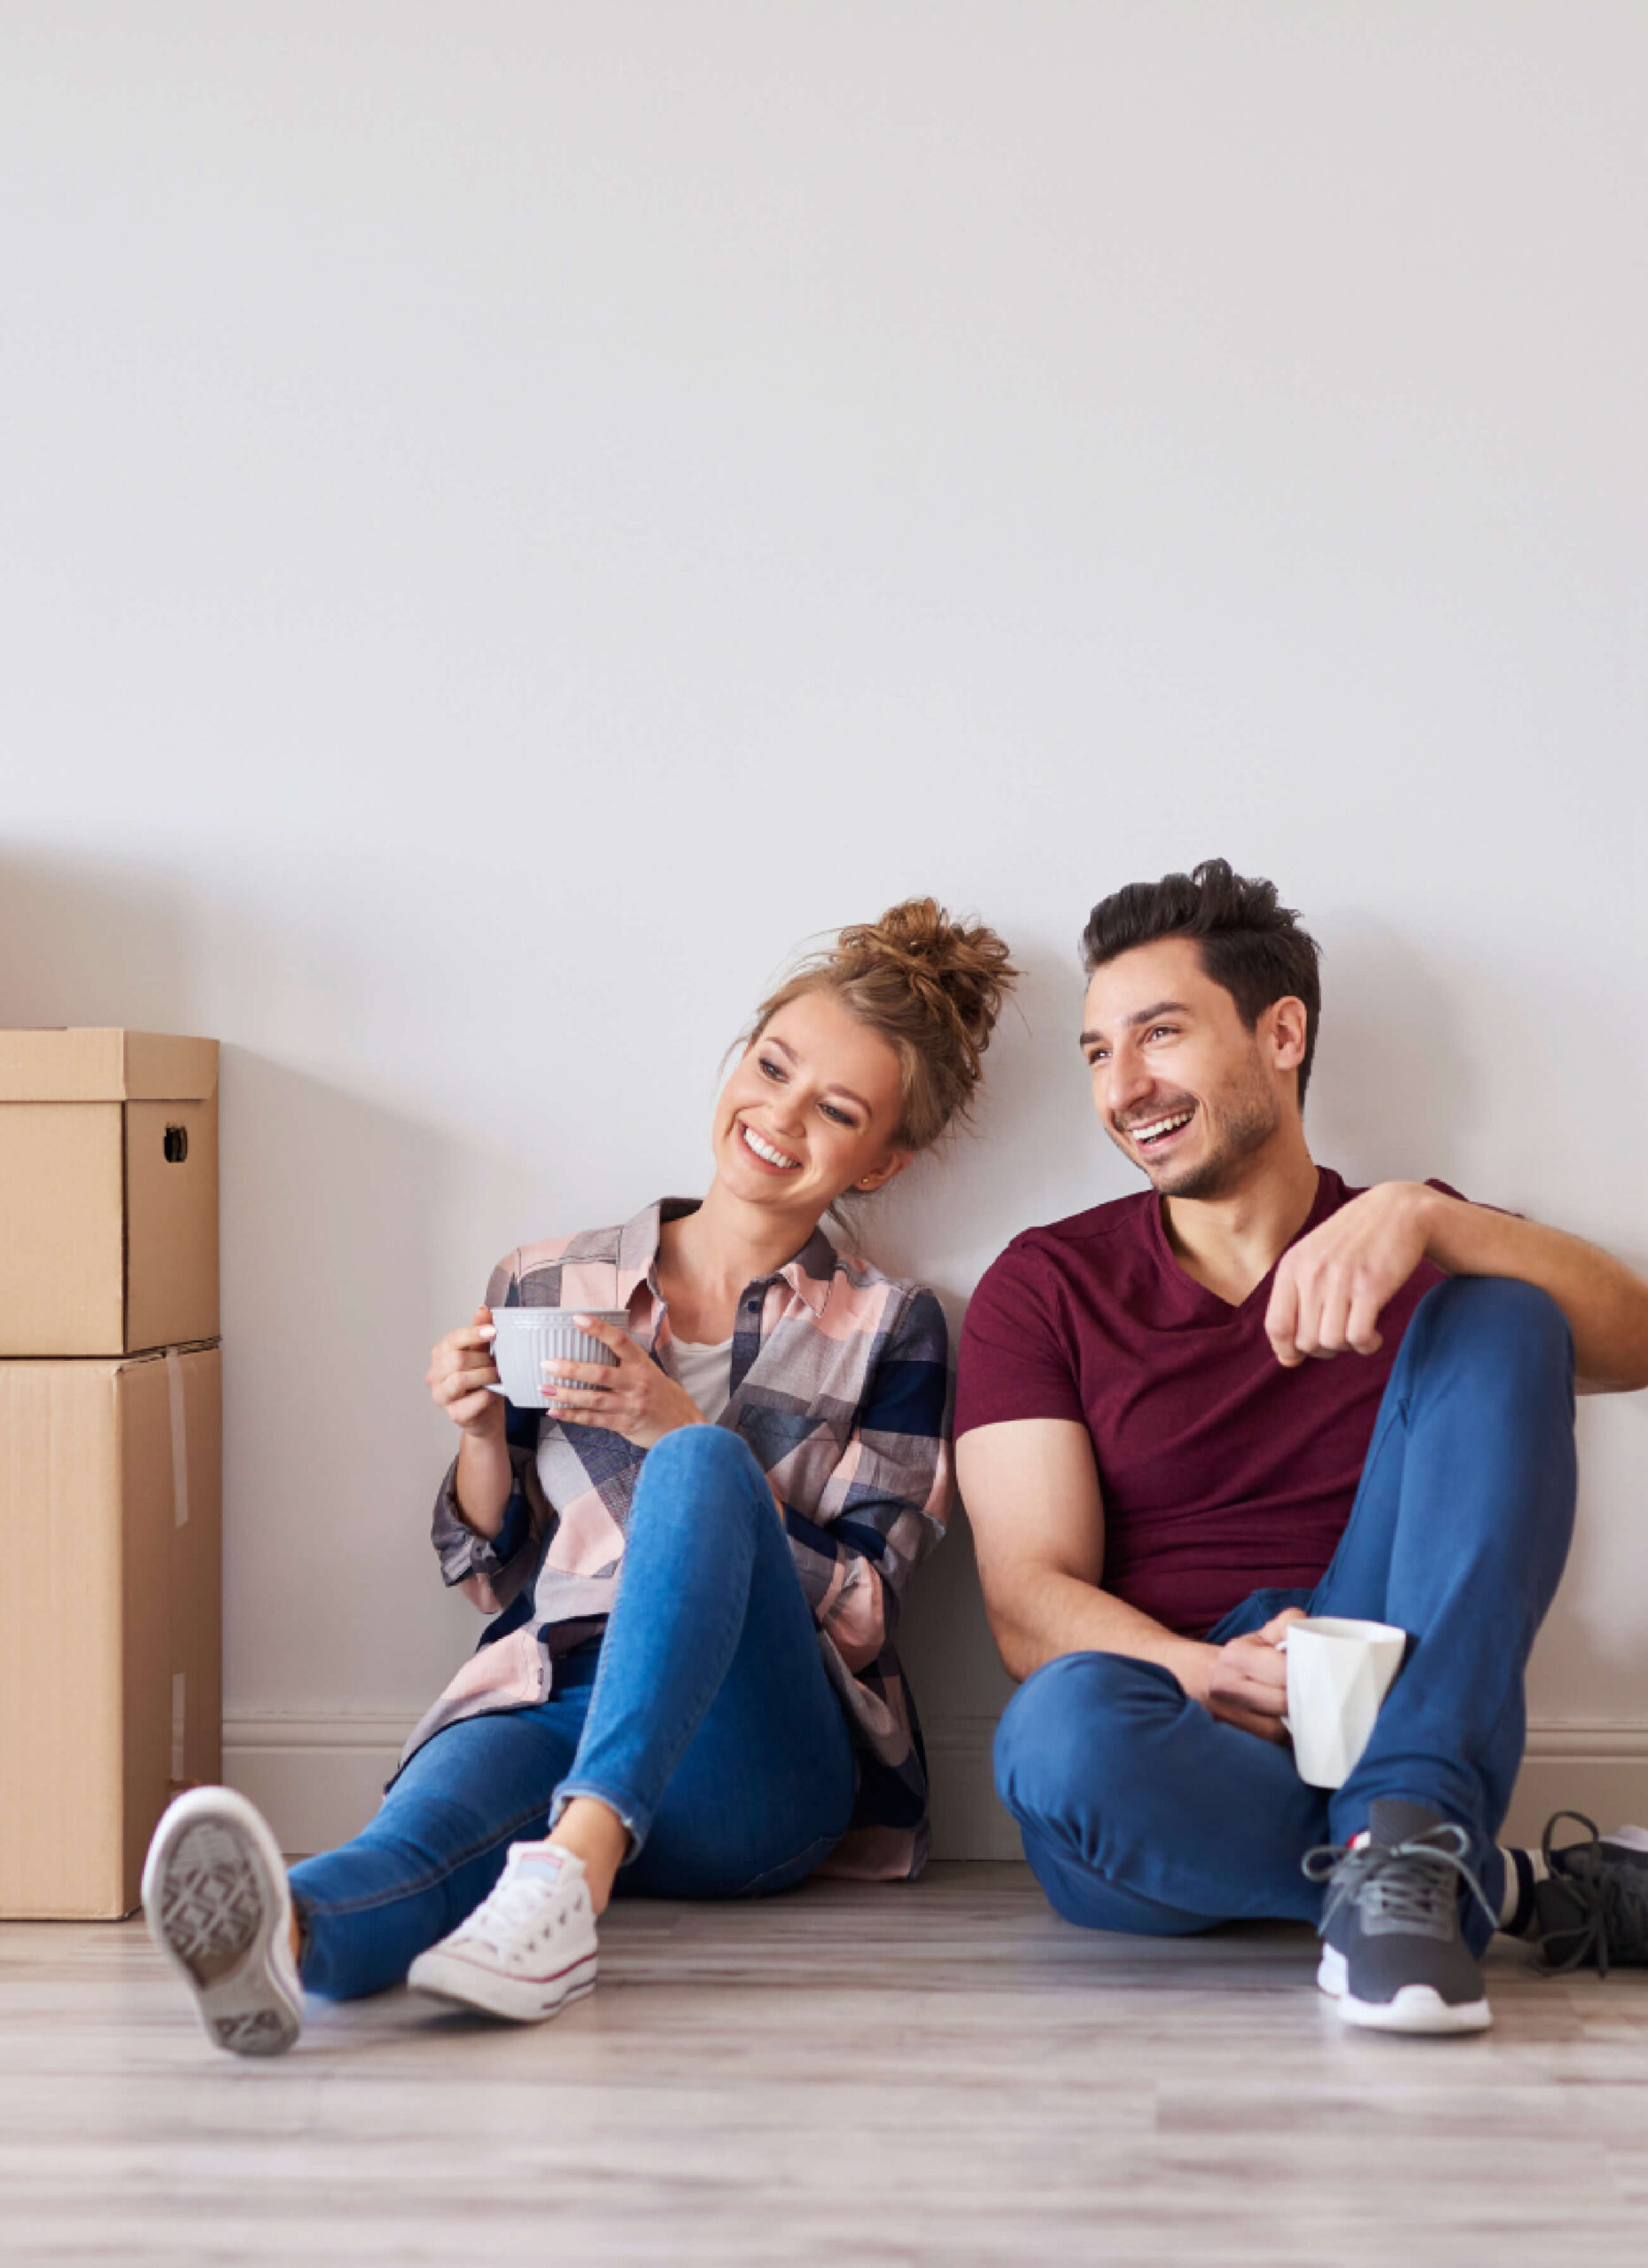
x=840 y=1386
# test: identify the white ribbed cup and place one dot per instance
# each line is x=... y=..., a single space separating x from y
x=527 y=1338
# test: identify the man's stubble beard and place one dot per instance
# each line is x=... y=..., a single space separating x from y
x=1241 y=1130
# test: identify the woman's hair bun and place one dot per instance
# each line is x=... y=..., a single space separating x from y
x=960 y=970
x=932 y=986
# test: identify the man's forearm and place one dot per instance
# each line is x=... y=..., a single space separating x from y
x=1604 y=1301
x=1051 y=1613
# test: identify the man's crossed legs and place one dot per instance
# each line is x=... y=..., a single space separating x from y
x=1140 y=1811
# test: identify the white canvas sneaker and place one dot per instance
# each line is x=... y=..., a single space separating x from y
x=215 y=1898
x=527 y=1949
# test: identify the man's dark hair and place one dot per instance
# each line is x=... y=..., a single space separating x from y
x=1251 y=945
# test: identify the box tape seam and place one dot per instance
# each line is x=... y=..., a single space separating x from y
x=180 y=1439
x=179 y=1518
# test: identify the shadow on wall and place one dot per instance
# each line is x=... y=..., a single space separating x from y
x=1394 y=1091
x=333 y=1213
x=331 y=1210
x=94 y=944
x=961 y=1691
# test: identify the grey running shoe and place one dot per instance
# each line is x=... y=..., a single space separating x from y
x=1393 y=1955
x=1591 y=1910
x=215 y=1898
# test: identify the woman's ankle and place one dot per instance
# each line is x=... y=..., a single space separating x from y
x=593 y=1833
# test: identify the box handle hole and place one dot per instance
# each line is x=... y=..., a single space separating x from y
x=176 y=1145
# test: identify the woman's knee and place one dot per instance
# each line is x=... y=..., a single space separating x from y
x=702 y=1460
x=700 y=1476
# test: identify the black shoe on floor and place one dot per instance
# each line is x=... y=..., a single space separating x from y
x=1392 y=1954
x=1591 y=1910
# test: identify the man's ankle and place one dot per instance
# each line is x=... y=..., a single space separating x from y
x=1518 y=1911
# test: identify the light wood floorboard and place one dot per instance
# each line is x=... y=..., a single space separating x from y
x=945 y=2073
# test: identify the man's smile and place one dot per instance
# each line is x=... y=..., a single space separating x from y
x=1154 y=1134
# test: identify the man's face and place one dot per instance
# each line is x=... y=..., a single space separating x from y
x=1182 y=1087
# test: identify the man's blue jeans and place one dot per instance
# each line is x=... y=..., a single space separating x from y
x=703 y=1718
x=1140 y=1812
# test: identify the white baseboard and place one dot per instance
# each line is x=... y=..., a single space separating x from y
x=1601 y=1769
x=317 y=1779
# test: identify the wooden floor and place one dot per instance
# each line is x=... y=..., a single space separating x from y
x=854 y=2076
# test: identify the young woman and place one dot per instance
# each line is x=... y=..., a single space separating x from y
x=689 y=1688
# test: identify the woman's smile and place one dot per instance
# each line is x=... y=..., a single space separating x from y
x=766 y=1152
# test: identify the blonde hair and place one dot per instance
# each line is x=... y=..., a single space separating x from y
x=931 y=987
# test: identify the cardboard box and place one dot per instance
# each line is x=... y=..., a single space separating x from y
x=110 y=1618
x=108 y=1192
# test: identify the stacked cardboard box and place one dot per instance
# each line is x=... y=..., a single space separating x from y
x=110 y=1457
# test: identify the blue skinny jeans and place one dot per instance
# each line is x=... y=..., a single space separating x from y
x=1140 y=1813
x=703 y=1718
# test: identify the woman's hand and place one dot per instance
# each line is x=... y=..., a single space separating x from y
x=460 y=1370
x=637 y=1400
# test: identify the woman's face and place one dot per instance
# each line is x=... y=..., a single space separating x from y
x=811 y=1110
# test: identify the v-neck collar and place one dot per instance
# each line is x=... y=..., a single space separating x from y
x=1330 y=1189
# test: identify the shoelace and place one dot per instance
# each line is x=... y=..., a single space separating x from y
x=1404 y=1883
x=1613 y=1901
x=517 y=1903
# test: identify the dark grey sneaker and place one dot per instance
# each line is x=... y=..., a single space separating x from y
x=1591 y=1910
x=1393 y=1955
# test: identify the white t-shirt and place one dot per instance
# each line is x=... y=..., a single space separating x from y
x=706 y=1373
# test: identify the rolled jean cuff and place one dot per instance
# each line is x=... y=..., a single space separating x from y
x=626 y=1809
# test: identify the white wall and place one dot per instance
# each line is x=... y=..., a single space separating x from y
x=515 y=516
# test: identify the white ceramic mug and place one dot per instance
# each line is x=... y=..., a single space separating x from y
x=1338 y=1671
x=527 y=1338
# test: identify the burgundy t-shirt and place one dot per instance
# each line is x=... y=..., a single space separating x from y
x=1222 y=1472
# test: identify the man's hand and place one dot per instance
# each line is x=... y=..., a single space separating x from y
x=637 y=1400
x=1332 y=1286
x=1248 y=1680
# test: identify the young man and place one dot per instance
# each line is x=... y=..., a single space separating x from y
x=1188 y=1416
